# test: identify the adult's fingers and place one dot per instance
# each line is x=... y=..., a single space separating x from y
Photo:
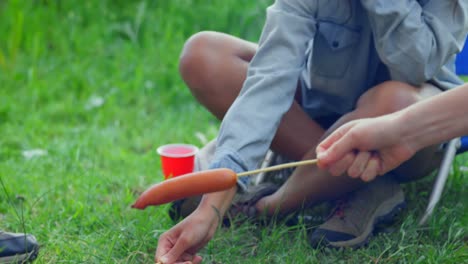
x=359 y=164
x=372 y=169
x=326 y=143
x=334 y=147
x=342 y=165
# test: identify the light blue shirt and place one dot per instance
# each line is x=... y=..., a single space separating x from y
x=335 y=48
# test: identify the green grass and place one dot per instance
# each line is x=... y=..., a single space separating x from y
x=57 y=56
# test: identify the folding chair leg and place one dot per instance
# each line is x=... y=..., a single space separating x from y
x=266 y=162
x=442 y=175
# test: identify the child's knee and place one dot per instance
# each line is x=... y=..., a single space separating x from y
x=195 y=56
x=389 y=97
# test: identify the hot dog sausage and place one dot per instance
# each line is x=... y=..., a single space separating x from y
x=187 y=185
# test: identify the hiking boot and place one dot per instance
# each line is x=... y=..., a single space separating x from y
x=353 y=219
x=243 y=205
x=17 y=248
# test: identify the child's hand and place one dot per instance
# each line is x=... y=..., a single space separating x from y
x=181 y=243
x=364 y=148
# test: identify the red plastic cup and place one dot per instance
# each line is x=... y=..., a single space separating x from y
x=177 y=159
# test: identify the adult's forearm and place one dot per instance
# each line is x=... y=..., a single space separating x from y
x=436 y=119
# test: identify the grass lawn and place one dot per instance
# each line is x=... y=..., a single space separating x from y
x=89 y=89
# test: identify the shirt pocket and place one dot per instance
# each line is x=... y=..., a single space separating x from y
x=333 y=48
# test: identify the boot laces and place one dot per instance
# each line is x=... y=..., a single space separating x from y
x=340 y=208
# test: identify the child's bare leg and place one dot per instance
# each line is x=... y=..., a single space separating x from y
x=214 y=66
x=308 y=184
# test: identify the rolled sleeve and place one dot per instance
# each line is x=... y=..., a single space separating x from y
x=415 y=41
x=268 y=92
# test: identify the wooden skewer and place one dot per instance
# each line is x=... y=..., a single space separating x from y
x=278 y=167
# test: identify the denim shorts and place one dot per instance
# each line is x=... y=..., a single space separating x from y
x=324 y=117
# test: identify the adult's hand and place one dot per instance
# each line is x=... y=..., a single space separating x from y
x=365 y=148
